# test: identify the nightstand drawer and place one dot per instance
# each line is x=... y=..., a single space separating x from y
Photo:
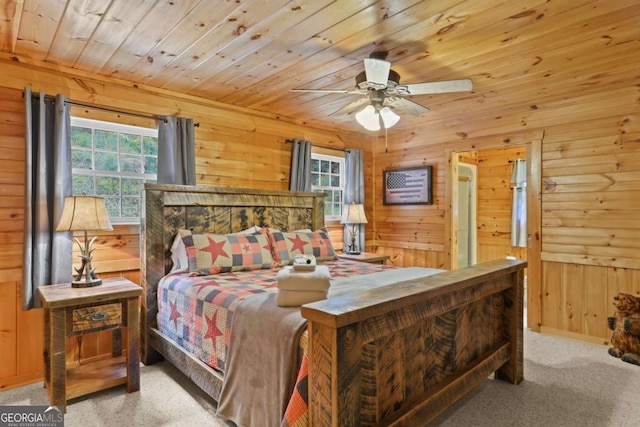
x=95 y=318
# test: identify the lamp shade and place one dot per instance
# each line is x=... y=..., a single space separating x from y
x=353 y=214
x=84 y=213
x=369 y=118
x=389 y=118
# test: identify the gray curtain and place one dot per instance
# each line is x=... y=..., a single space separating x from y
x=354 y=190
x=47 y=253
x=300 y=178
x=519 y=206
x=176 y=151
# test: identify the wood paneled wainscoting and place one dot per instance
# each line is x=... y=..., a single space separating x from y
x=576 y=299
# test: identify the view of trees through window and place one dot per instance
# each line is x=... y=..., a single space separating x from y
x=327 y=175
x=113 y=161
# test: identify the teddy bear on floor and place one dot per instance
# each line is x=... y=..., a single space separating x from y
x=625 y=325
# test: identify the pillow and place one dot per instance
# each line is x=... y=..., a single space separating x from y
x=210 y=253
x=286 y=245
x=179 y=255
x=251 y=230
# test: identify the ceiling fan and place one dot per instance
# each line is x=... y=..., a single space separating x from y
x=382 y=93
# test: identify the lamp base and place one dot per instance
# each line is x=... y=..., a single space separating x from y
x=86 y=283
x=353 y=252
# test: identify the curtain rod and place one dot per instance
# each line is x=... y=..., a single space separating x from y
x=346 y=150
x=110 y=110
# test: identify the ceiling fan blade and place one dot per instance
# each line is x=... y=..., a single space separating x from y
x=352 y=106
x=405 y=105
x=377 y=72
x=323 y=90
x=461 y=85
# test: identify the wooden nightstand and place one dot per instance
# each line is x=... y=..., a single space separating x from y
x=366 y=257
x=69 y=312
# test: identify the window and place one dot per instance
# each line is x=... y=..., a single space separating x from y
x=113 y=161
x=327 y=175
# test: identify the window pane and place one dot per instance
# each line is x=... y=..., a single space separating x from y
x=335 y=180
x=131 y=187
x=113 y=206
x=315 y=179
x=150 y=165
x=336 y=210
x=130 y=206
x=325 y=166
x=82 y=184
x=150 y=145
x=337 y=197
x=107 y=186
x=130 y=143
x=327 y=209
x=80 y=137
x=113 y=161
x=81 y=159
x=315 y=165
x=106 y=161
x=335 y=167
x=131 y=163
x=325 y=180
x=106 y=140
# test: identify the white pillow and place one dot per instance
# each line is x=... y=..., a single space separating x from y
x=251 y=230
x=179 y=255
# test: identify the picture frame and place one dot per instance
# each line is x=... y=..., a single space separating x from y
x=408 y=186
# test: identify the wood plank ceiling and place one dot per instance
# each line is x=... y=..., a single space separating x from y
x=520 y=54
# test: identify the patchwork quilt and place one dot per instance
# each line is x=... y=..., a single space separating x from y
x=197 y=311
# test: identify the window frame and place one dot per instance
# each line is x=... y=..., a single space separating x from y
x=321 y=188
x=93 y=124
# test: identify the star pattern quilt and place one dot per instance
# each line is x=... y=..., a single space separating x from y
x=197 y=311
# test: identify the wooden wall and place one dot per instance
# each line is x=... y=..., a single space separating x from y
x=412 y=235
x=589 y=203
x=234 y=148
x=590 y=224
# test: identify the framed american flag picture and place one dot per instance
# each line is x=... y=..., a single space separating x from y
x=407 y=186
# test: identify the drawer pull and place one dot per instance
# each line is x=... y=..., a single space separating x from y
x=98 y=316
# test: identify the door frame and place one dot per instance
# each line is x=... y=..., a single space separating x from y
x=533 y=143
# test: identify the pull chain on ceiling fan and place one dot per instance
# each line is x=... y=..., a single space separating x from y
x=383 y=93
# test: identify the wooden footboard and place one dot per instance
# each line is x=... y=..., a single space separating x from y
x=400 y=355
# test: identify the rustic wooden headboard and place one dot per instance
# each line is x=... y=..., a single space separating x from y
x=169 y=208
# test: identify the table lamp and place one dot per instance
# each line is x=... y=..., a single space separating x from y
x=84 y=213
x=353 y=216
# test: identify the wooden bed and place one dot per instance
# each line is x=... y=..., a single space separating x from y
x=397 y=355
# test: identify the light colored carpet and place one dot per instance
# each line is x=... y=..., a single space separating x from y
x=567 y=384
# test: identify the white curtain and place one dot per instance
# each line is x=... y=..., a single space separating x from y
x=176 y=151
x=300 y=175
x=354 y=191
x=47 y=253
x=519 y=209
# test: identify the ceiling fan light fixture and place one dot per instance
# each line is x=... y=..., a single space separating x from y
x=369 y=118
x=389 y=118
